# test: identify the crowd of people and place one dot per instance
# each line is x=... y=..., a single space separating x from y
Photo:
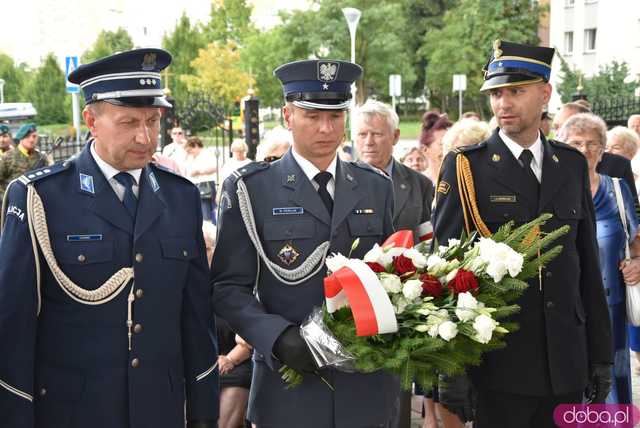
x=135 y=280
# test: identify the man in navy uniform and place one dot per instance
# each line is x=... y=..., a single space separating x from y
x=564 y=342
x=104 y=313
x=277 y=223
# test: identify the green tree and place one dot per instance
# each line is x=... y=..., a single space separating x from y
x=569 y=81
x=230 y=21
x=611 y=81
x=15 y=78
x=46 y=90
x=107 y=43
x=184 y=44
x=218 y=72
x=463 y=45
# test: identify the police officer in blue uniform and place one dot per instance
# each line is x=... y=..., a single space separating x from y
x=104 y=313
x=278 y=221
x=564 y=343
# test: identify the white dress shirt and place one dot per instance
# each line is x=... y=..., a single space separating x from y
x=536 y=149
x=110 y=172
x=310 y=170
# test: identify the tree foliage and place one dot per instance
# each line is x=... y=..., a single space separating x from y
x=611 y=81
x=230 y=21
x=108 y=43
x=184 y=43
x=46 y=90
x=218 y=72
x=15 y=79
x=463 y=45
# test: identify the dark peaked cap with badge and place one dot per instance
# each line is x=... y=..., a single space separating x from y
x=318 y=84
x=130 y=79
x=513 y=64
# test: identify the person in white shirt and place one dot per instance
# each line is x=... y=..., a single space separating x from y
x=200 y=167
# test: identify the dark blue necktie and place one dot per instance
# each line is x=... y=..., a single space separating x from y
x=322 y=178
x=130 y=202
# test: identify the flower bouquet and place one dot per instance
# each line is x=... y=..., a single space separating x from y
x=415 y=314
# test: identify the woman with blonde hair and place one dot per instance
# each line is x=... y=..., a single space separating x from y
x=465 y=132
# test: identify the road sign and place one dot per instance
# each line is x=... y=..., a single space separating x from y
x=395 y=85
x=459 y=82
x=71 y=63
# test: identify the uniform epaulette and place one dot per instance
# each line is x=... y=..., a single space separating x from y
x=169 y=171
x=39 y=174
x=464 y=149
x=370 y=168
x=561 y=145
x=249 y=169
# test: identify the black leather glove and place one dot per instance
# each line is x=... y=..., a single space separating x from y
x=599 y=383
x=201 y=424
x=457 y=396
x=291 y=349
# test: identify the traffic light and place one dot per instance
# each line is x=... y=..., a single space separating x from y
x=251 y=125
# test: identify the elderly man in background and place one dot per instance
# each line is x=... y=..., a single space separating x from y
x=633 y=123
x=275 y=144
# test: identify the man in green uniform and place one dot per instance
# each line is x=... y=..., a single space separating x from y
x=5 y=139
x=24 y=158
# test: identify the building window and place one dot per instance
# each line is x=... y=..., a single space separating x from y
x=590 y=39
x=568 y=42
x=569 y=3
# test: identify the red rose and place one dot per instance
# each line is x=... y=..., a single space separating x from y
x=430 y=285
x=376 y=267
x=403 y=265
x=463 y=281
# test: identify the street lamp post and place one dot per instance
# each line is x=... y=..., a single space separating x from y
x=1 y=91
x=352 y=15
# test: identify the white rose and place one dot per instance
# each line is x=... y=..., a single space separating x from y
x=390 y=282
x=435 y=262
x=448 y=330
x=514 y=263
x=466 y=306
x=388 y=254
x=374 y=255
x=336 y=261
x=412 y=289
x=453 y=243
x=484 y=326
x=419 y=260
x=400 y=305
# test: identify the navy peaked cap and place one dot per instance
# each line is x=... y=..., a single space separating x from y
x=319 y=83
x=514 y=64
x=130 y=78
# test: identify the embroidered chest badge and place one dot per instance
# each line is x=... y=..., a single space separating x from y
x=288 y=255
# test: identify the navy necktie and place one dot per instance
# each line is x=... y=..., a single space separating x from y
x=526 y=157
x=322 y=178
x=130 y=202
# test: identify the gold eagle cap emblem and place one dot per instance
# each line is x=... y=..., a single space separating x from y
x=497 y=52
x=149 y=61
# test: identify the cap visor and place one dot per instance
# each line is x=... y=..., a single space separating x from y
x=140 y=102
x=310 y=105
x=506 y=80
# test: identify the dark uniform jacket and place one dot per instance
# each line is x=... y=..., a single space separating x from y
x=363 y=204
x=565 y=327
x=619 y=166
x=69 y=366
x=413 y=195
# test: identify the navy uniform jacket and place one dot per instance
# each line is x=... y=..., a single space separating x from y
x=363 y=204
x=413 y=195
x=565 y=327
x=70 y=366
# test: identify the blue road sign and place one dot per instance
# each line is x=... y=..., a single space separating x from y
x=71 y=63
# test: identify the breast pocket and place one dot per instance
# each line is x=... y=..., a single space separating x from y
x=286 y=230
x=179 y=249
x=365 y=226
x=84 y=253
x=500 y=213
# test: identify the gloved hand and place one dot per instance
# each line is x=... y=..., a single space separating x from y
x=291 y=349
x=201 y=424
x=599 y=384
x=457 y=396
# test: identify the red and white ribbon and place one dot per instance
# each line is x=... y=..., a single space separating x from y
x=399 y=239
x=425 y=231
x=357 y=286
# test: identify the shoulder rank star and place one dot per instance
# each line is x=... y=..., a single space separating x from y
x=288 y=255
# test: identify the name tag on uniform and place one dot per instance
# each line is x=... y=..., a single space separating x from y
x=79 y=238
x=363 y=211
x=503 y=198
x=288 y=211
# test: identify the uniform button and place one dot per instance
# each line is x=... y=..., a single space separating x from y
x=288 y=232
x=43 y=392
x=550 y=304
x=82 y=258
x=573 y=211
x=505 y=215
x=135 y=363
x=137 y=328
x=185 y=253
x=139 y=293
x=139 y=258
x=548 y=274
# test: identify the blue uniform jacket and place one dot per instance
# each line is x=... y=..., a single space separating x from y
x=363 y=205
x=69 y=366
